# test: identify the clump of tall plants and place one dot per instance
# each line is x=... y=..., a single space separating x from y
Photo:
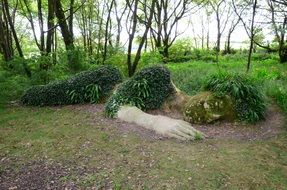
x=248 y=99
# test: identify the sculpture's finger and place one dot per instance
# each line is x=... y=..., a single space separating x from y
x=183 y=134
x=174 y=135
x=192 y=130
x=187 y=126
x=186 y=129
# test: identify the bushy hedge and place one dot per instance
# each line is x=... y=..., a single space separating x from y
x=147 y=89
x=249 y=101
x=191 y=54
x=86 y=86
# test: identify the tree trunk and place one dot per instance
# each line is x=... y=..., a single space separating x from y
x=218 y=36
x=50 y=24
x=143 y=39
x=41 y=26
x=107 y=31
x=228 y=48
x=66 y=34
x=4 y=40
x=16 y=40
x=252 y=36
x=71 y=18
x=165 y=54
x=283 y=55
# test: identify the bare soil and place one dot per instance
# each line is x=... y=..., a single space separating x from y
x=270 y=127
x=97 y=110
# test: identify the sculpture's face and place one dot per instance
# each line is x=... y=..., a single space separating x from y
x=206 y=107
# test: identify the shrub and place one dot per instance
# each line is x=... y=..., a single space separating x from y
x=260 y=56
x=14 y=66
x=180 y=50
x=277 y=91
x=195 y=54
x=11 y=86
x=269 y=74
x=75 y=60
x=118 y=60
x=88 y=86
x=147 y=89
x=249 y=101
x=150 y=58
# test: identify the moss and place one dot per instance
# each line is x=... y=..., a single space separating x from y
x=207 y=107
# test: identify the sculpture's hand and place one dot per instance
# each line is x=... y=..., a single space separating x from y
x=160 y=124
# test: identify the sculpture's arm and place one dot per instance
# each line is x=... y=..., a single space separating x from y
x=160 y=124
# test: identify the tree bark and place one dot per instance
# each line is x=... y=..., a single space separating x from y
x=41 y=26
x=16 y=40
x=66 y=34
x=4 y=39
x=107 y=30
x=252 y=36
x=71 y=18
x=50 y=24
x=143 y=39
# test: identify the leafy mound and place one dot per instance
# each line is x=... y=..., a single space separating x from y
x=249 y=101
x=146 y=90
x=87 y=86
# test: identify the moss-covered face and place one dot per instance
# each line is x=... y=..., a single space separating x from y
x=207 y=107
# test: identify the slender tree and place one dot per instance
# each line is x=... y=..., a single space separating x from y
x=222 y=12
x=15 y=37
x=250 y=30
x=167 y=16
x=148 y=16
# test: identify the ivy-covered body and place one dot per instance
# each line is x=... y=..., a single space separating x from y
x=87 y=86
x=147 y=89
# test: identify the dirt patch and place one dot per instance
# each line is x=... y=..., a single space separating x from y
x=42 y=174
x=272 y=126
x=97 y=111
x=34 y=175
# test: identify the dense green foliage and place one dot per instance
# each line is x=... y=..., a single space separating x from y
x=147 y=89
x=268 y=74
x=86 y=86
x=183 y=51
x=249 y=101
x=11 y=86
x=189 y=76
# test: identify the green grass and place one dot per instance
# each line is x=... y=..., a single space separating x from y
x=68 y=136
x=65 y=136
x=270 y=76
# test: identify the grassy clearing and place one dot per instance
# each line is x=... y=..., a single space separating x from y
x=66 y=136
